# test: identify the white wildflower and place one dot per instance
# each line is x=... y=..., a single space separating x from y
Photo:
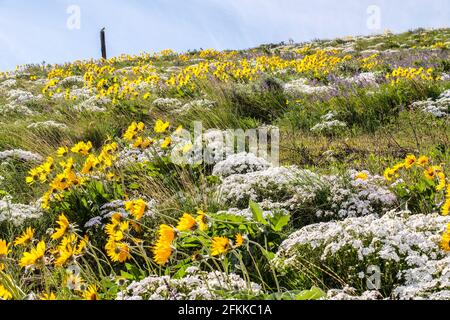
x=17 y=214
x=20 y=154
x=240 y=164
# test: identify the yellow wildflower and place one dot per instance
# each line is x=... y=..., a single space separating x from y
x=202 y=220
x=442 y=181
x=167 y=141
x=136 y=208
x=5 y=294
x=362 y=176
x=25 y=238
x=133 y=130
x=186 y=223
x=163 y=248
x=445 y=208
x=82 y=148
x=116 y=230
x=142 y=143
x=35 y=255
x=161 y=126
x=80 y=248
x=63 y=226
x=431 y=172
x=90 y=164
x=48 y=296
x=423 y=161
x=220 y=245
x=239 y=240
x=162 y=253
x=65 y=254
x=33 y=176
x=445 y=241
x=410 y=161
x=389 y=174
x=91 y=293
x=4 y=251
x=61 y=182
x=62 y=152
x=118 y=251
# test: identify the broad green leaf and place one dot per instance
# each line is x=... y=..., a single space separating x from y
x=182 y=271
x=313 y=294
x=279 y=221
x=126 y=275
x=134 y=186
x=268 y=254
x=257 y=212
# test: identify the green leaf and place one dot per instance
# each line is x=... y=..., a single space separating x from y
x=126 y=275
x=134 y=271
x=128 y=266
x=257 y=213
x=134 y=186
x=182 y=271
x=231 y=218
x=99 y=188
x=279 y=221
x=269 y=255
x=313 y=294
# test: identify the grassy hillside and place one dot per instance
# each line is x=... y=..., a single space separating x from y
x=92 y=205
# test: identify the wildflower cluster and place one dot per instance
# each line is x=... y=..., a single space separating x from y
x=188 y=228
x=433 y=173
x=431 y=176
x=401 y=74
x=445 y=242
x=95 y=204
x=139 y=83
x=369 y=63
x=64 y=249
x=117 y=248
x=72 y=167
x=135 y=135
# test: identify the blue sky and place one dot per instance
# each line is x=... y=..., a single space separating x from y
x=35 y=31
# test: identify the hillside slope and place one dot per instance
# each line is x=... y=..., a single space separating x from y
x=349 y=195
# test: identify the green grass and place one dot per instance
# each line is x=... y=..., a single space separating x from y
x=381 y=130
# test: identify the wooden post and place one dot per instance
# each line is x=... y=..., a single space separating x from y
x=103 y=43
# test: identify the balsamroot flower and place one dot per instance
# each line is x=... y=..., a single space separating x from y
x=410 y=161
x=34 y=256
x=136 y=208
x=118 y=251
x=4 y=293
x=202 y=220
x=91 y=293
x=25 y=238
x=161 y=126
x=63 y=227
x=48 y=296
x=82 y=148
x=220 y=245
x=163 y=249
x=4 y=251
x=240 y=240
x=186 y=223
